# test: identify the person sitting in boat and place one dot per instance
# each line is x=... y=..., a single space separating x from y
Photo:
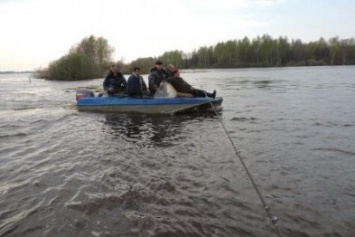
x=181 y=86
x=136 y=85
x=156 y=76
x=114 y=82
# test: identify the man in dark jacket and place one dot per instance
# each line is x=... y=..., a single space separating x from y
x=114 y=82
x=156 y=76
x=180 y=85
x=136 y=85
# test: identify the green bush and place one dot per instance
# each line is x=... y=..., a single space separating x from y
x=72 y=67
x=87 y=60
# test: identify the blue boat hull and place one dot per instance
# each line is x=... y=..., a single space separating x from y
x=147 y=105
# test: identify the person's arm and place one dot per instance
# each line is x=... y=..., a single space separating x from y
x=152 y=83
x=105 y=83
x=145 y=89
x=129 y=85
x=144 y=86
x=165 y=74
x=123 y=81
x=168 y=80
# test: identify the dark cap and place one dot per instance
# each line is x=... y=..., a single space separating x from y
x=136 y=68
x=158 y=62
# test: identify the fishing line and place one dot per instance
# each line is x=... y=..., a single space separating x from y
x=273 y=219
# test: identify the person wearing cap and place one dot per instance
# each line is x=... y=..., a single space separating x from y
x=114 y=82
x=136 y=85
x=156 y=76
x=181 y=86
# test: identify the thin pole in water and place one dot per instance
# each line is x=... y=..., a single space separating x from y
x=273 y=219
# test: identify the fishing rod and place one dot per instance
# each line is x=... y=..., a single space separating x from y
x=273 y=219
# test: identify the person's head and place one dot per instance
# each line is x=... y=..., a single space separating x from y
x=176 y=73
x=137 y=71
x=113 y=68
x=170 y=67
x=159 y=65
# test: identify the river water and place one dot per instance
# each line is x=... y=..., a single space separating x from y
x=70 y=173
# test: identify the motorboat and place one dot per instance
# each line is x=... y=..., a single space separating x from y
x=88 y=101
x=151 y=105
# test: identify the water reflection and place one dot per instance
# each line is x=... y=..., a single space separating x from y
x=147 y=130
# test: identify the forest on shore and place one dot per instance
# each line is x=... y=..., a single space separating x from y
x=92 y=56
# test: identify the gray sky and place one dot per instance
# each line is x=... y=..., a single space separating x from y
x=36 y=32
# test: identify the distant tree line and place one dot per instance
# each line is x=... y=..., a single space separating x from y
x=268 y=52
x=260 y=52
x=92 y=56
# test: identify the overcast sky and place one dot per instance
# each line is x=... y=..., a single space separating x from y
x=35 y=32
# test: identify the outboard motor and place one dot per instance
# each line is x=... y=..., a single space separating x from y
x=84 y=93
